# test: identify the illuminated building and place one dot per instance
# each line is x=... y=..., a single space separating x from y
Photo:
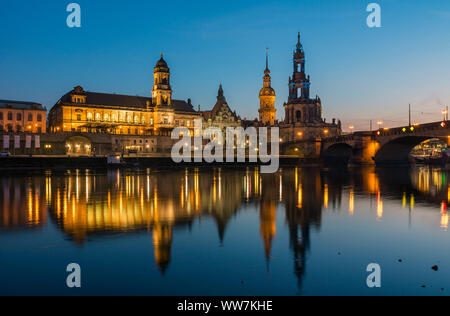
x=16 y=117
x=267 y=96
x=92 y=112
x=221 y=116
x=303 y=115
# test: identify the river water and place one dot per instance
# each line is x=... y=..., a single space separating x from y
x=302 y=231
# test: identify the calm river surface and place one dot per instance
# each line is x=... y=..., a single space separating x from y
x=301 y=231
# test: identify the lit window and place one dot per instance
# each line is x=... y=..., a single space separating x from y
x=136 y=120
x=98 y=117
x=106 y=117
x=89 y=116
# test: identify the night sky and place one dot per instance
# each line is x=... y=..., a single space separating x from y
x=360 y=73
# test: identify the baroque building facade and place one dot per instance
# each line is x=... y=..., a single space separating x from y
x=221 y=116
x=91 y=112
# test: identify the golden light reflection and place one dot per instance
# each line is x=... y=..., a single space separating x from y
x=351 y=206
x=379 y=206
x=325 y=196
x=300 y=197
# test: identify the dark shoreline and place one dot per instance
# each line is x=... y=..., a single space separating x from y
x=55 y=163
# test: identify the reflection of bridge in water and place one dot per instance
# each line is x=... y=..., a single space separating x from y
x=386 y=146
x=91 y=205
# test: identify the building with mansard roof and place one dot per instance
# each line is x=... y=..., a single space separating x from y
x=93 y=112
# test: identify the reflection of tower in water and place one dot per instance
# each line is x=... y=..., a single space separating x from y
x=302 y=194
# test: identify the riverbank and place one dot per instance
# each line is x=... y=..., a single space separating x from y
x=65 y=162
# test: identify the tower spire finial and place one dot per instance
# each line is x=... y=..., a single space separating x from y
x=267 y=58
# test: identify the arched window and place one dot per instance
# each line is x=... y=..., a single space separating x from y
x=136 y=119
x=143 y=120
x=114 y=117
x=98 y=117
x=106 y=117
x=298 y=116
x=89 y=116
x=129 y=119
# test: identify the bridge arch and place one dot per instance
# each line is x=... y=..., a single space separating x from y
x=78 y=146
x=338 y=154
x=398 y=150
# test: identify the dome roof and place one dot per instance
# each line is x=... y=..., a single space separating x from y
x=161 y=63
x=267 y=91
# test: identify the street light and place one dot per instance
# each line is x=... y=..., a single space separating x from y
x=445 y=112
x=351 y=129
x=379 y=124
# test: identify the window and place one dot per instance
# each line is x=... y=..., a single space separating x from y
x=188 y=123
x=89 y=116
x=151 y=121
x=129 y=119
x=143 y=120
x=19 y=117
x=78 y=117
x=39 y=130
x=10 y=128
x=1 y=128
x=299 y=116
x=10 y=116
x=114 y=117
x=106 y=117
x=30 y=117
x=18 y=128
x=98 y=117
x=136 y=120
x=1 y=117
x=39 y=118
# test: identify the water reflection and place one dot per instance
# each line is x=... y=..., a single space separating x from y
x=85 y=204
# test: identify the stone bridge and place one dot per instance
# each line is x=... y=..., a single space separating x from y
x=387 y=146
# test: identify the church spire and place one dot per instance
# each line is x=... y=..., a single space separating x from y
x=267 y=97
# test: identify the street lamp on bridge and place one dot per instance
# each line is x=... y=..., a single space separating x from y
x=445 y=113
x=379 y=124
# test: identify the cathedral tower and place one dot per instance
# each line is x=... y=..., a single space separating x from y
x=162 y=91
x=301 y=109
x=267 y=96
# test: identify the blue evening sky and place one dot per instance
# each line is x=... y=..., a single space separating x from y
x=359 y=73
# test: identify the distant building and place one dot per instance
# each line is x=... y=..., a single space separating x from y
x=221 y=116
x=303 y=114
x=18 y=117
x=92 y=112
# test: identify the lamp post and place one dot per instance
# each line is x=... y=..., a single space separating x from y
x=351 y=129
x=379 y=124
x=444 y=113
